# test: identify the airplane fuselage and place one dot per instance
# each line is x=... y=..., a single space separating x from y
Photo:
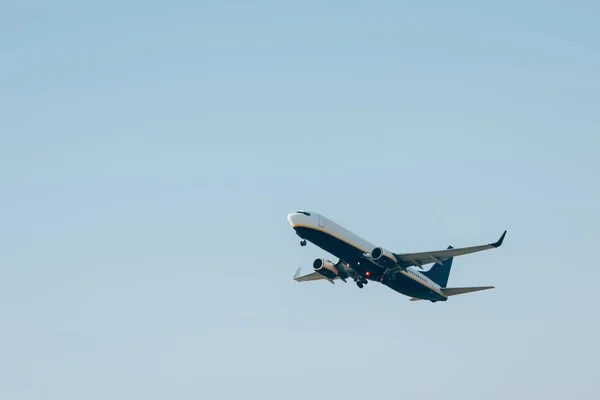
x=351 y=249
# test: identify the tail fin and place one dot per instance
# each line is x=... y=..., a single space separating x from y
x=439 y=273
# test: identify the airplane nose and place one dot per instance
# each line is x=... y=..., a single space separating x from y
x=300 y=218
x=292 y=218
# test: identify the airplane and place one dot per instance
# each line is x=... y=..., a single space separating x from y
x=362 y=261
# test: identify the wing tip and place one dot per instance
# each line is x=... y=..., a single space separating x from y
x=297 y=274
x=499 y=242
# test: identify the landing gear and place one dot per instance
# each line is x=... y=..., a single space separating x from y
x=361 y=281
x=303 y=243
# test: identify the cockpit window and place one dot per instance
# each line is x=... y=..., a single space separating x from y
x=303 y=212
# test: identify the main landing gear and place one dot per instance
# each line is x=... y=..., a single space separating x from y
x=361 y=281
x=303 y=243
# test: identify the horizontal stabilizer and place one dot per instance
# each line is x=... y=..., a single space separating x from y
x=462 y=290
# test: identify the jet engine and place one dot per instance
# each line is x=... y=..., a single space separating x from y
x=383 y=257
x=325 y=268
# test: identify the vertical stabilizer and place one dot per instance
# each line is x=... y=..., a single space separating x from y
x=439 y=273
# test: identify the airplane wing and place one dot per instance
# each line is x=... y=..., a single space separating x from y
x=419 y=259
x=313 y=276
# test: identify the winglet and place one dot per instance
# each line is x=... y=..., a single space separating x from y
x=297 y=274
x=499 y=242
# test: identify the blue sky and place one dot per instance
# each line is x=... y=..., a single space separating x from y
x=150 y=152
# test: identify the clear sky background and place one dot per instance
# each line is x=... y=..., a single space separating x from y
x=150 y=152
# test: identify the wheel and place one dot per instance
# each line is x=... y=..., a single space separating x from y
x=365 y=280
x=359 y=284
x=303 y=243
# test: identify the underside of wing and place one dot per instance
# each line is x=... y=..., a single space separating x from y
x=313 y=276
x=438 y=256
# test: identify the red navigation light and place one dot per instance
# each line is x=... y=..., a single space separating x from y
x=367 y=273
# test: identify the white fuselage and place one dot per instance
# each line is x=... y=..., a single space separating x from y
x=320 y=223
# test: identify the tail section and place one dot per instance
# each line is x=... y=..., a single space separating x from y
x=439 y=273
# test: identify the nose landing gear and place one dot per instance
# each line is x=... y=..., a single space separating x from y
x=303 y=242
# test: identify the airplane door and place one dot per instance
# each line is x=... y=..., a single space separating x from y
x=321 y=222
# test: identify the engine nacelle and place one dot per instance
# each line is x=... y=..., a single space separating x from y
x=383 y=257
x=325 y=268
